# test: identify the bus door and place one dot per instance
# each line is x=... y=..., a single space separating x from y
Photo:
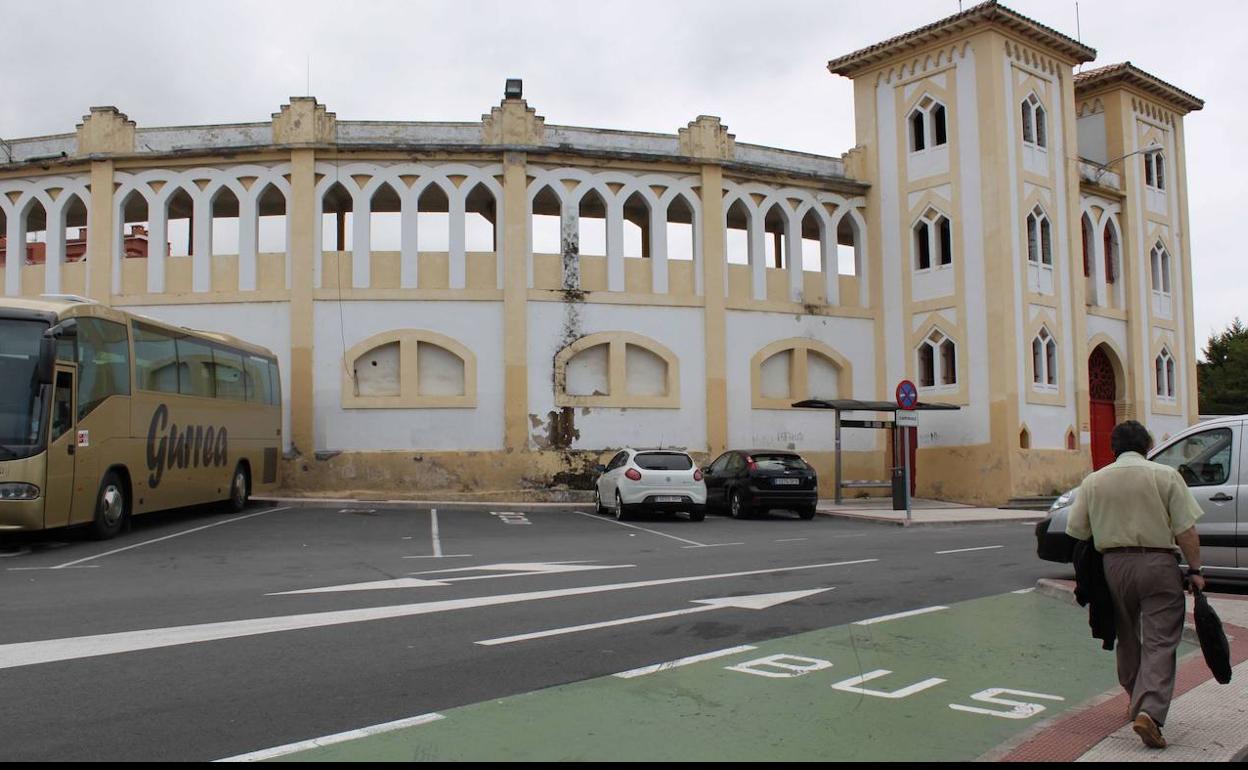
x=58 y=491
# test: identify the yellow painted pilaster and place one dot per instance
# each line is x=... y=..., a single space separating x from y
x=1120 y=126
x=302 y=203
x=1000 y=273
x=1076 y=285
x=515 y=299
x=100 y=234
x=714 y=312
x=1185 y=245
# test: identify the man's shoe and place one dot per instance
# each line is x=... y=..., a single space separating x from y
x=1148 y=731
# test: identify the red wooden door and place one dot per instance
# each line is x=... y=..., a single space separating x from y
x=1102 y=427
x=1103 y=389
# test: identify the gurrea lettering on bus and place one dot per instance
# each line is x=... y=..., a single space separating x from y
x=190 y=447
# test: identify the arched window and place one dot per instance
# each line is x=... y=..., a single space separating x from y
x=1039 y=238
x=928 y=127
x=937 y=361
x=1111 y=252
x=1163 y=367
x=617 y=369
x=409 y=368
x=1035 y=128
x=1160 y=262
x=1155 y=170
x=788 y=371
x=1044 y=360
x=933 y=240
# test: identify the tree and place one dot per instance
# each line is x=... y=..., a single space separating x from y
x=1223 y=376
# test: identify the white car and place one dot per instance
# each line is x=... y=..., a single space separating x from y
x=650 y=480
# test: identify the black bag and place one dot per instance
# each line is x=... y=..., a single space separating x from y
x=1213 y=643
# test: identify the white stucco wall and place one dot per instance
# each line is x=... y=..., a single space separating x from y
x=749 y=332
x=261 y=323
x=476 y=325
x=679 y=329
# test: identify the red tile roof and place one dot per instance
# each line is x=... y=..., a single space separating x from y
x=1127 y=73
x=990 y=12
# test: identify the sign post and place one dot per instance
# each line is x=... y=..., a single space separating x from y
x=906 y=418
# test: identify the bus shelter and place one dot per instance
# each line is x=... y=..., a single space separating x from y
x=839 y=406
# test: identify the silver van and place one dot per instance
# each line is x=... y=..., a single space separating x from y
x=1212 y=457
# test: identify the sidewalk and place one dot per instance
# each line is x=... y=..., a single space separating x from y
x=1208 y=721
x=923 y=512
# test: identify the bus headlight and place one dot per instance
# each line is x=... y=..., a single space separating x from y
x=19 y=492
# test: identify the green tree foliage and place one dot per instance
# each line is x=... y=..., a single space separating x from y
x=1223 y=376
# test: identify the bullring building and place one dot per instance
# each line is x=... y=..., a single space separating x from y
x=496 y=305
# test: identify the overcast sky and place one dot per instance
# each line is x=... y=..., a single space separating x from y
x=640 y=65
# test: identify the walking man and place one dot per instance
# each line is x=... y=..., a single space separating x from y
x=1135 y=513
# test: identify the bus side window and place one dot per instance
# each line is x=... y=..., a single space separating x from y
x=227 y=369
x=275 y=384
x=62 y=406
x=156 y=360
x=257 y=380
x=103 y=363
x=195 y=369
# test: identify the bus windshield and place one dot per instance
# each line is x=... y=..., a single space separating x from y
x=21 y=398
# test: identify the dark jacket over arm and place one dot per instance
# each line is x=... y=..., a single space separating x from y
x=1092 y=591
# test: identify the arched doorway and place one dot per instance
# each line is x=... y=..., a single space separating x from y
x=1103 y=389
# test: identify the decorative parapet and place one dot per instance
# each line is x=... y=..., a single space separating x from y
x=303 y=121
x=855 y=163
x=707 y=138
x=513 y=122
x=105 y=130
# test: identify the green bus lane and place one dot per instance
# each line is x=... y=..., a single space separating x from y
x=949 y=684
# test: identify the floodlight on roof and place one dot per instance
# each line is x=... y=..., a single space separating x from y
x=514 y=89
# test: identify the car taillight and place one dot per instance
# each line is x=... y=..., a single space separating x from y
x=697 y=475
x=633 y=474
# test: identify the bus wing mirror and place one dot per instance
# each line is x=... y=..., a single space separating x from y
x=47 y=360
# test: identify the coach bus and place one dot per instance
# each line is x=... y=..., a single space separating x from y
x=105 y=415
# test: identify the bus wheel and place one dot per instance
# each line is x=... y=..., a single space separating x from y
x=240 y=489
x=111 y=508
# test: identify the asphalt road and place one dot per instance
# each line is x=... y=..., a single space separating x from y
x=336 y=660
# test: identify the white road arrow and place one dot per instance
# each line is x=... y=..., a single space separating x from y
x=757 y=602
x=517 y=569
x=51 y=650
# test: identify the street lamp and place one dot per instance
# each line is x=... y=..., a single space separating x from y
x=1103 y=168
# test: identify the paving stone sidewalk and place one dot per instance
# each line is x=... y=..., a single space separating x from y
x=1208 y=721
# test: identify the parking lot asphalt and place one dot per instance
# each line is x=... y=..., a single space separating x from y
x=200 y=635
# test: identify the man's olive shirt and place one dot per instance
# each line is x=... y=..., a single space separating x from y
x=1133 y=502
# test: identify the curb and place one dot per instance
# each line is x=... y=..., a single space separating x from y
x=916 y=522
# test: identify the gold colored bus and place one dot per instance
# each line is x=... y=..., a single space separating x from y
x=105 y=415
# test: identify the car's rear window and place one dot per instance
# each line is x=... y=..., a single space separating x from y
x=664 y=461
x=780 y=462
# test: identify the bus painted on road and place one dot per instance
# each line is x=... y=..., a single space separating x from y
x=106 y=414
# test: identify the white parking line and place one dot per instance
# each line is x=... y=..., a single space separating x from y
x=712 y=545
x=437 y=542
x=644 y=670
x=643 y=529
x=169 y=537
x=895 y=616
x=791 y=539
x=330 y=740
x=967 y=550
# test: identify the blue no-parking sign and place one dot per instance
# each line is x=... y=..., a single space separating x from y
x=907 y=395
